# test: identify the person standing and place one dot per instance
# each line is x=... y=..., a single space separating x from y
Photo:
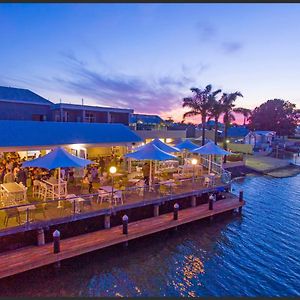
x=146 y=172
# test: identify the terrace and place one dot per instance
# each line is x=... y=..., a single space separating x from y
x=39 y=204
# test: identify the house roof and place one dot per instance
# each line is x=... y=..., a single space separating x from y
x=11 y=94
x=90 y=108
x=17 y=135
x=146 y=119
x=234 y=132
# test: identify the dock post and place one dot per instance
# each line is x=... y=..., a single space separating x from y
x=211 y=202
x=193 y=201
x=107 y=221
x=40 y=237
x=241 y=199
x=56 y=241
x=125 y=224
x=176 y=208
x=156 y=210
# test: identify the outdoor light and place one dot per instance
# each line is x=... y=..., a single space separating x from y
x=194 y=161
x=112 y=170
x=227 y=141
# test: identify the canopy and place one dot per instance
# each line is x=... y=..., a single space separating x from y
x=150 y=152
x=187 y=145
x=162 y=146
x=211 y=148
x=58 y=158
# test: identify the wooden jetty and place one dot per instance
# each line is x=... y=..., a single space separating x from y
x=24 y=259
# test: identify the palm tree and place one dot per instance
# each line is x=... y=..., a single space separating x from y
x=228 y=105
x=199 y=104
x=245 y=112
x=215 y=112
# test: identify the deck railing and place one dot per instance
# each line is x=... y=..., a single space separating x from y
x=116 y=199
x=217 y=169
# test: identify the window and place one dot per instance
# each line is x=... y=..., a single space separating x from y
x=89 y=117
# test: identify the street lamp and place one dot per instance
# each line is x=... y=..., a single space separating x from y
x=112 y=171
x=194 y=162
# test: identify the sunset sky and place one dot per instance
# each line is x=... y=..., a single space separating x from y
x=148 y=56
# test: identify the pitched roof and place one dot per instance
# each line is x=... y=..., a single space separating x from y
x=33 y=134
x=147 y=119
x=239 y=131
x=21 y=96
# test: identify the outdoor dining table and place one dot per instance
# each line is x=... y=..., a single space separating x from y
x=169 y=182
x=108 y=188
x=14 y=190
x=78 y=201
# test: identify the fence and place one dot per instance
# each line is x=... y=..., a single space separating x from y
x=74 y=205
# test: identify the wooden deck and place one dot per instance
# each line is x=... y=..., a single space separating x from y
x=24 y=259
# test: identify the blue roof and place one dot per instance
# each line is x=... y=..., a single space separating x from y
x=146 y=119
x=32 y=133
x=237 y=132
x=21 y=96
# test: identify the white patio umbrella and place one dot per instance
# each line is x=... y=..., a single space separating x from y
x=210 y=149
x=150 y=152
x=56 y=159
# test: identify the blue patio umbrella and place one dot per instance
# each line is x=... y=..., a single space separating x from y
x=210 y=149
x=186 y=145
x=161 y=145
x=57 y=158
x=150 y=152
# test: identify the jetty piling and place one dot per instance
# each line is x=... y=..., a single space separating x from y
x=56 y=241
x=241 y=199
x=176 y=208
x=125 y=224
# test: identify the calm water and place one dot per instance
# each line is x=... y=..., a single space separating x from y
x=256 y=254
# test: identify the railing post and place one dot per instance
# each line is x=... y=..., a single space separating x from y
x=27 y=215
x=176 y=208
x=241 y=196
x=125 y=224
x=56 y=241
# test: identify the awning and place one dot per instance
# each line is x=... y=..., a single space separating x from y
x=26 y=135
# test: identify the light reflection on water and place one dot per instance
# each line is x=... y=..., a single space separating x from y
x=256 y=254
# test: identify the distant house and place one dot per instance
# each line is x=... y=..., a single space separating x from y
x=23 y=104
x=146 y=122
x=236 y=134
x=260 y=139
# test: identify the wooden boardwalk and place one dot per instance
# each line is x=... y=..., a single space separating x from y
x=27 y=258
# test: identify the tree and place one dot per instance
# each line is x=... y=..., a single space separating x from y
x=215 y=112
x=245 y=112
x=200 y=104
x=275 y=115
x=228 y=105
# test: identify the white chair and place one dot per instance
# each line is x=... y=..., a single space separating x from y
x=118 y=197
x=103 y=196
x=36 y=188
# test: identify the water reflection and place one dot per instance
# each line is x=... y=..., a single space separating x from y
x=257 y=254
